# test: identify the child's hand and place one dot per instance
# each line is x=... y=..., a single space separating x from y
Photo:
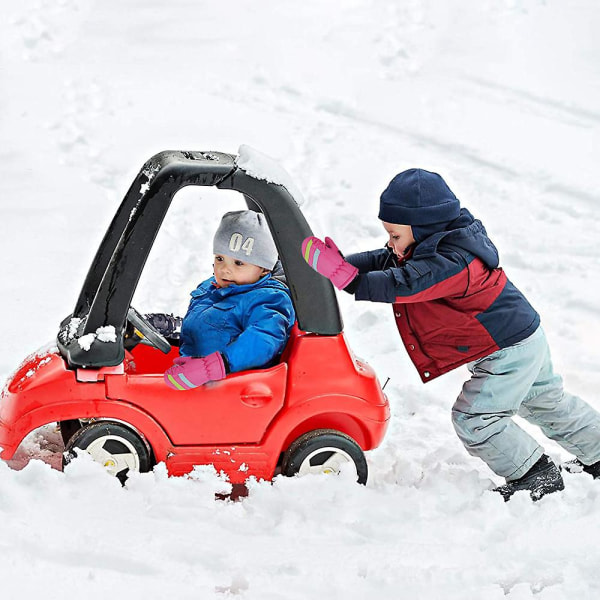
x=188 y=373
x=325 y=258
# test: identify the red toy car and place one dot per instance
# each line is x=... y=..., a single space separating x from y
x=317 y=409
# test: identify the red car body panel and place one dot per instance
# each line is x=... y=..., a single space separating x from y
x=241 y=424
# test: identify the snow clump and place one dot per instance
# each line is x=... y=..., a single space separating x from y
x=106 y=334
x=261 y=166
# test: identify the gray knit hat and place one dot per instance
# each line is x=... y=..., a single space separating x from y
x=245 y=235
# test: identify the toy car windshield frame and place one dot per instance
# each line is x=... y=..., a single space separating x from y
x=115 y=271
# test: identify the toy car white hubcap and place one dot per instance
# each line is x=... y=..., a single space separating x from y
x=114 y=453
x=327 y=461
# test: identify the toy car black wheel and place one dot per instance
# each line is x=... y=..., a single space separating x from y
x=117 y=448
x=148 y=332
x=325 y=451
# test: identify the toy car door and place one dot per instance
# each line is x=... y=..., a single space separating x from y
x=235 y=410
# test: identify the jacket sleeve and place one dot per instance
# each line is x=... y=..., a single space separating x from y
x=268 y=321
x=373 y=260
x=416 y=280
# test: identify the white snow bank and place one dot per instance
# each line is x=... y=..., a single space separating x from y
x=435 y=535
x=261 y=166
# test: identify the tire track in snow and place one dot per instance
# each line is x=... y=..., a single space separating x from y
x=298 y=103
x=536 y=179
x=563 y=198
x=543 y=106
x=469 y=154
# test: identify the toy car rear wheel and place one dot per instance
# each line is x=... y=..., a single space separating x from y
x=117 y=448
x=325 y=451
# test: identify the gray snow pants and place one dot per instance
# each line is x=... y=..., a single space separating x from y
x=520 y=380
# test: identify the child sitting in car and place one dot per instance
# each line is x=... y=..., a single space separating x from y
x=241 y=317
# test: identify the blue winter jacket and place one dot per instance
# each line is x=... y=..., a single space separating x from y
x=249 y=324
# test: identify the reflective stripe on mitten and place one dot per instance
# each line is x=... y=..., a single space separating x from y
x=188 y=373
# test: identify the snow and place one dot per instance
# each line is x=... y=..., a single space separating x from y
x=86 y=341
x=261 y=166
x=501 y=97
x=106 y=334
x=72 y=327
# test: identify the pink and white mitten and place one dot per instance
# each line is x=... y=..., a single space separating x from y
x=188 y=373
x=326 y=259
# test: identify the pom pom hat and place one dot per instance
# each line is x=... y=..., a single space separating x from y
x=245 y=235
x=418 y=197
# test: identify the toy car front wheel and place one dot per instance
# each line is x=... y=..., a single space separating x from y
x=325 y=451
x=117 y=448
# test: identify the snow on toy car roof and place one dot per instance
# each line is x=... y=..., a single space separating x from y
x=261 y=166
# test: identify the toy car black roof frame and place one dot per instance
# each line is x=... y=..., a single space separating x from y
x=111 y=281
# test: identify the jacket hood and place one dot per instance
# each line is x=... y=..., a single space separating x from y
x=466 y=232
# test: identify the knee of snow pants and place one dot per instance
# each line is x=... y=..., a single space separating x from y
x=497 y=440
x=482 y=414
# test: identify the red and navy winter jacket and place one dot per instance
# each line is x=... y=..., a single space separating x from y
x=452 y=302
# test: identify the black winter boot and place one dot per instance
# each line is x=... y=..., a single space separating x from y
x=576 y=466
x=543 y=478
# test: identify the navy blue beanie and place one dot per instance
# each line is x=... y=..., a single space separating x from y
x=418 y=197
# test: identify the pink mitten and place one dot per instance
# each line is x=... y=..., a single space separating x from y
x=188 y=372
x=325 y=258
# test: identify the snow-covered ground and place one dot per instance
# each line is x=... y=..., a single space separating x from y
x=501 y=97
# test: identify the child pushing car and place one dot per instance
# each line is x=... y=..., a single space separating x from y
x=454 y=305
x=238 y=319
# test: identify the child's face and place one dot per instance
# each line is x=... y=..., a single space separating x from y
x=230 y=271
x=400 y=238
